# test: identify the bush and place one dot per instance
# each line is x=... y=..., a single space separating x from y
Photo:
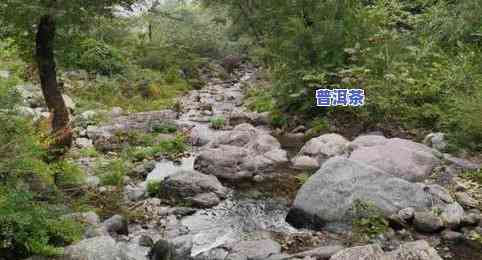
x=28 y=227
x=97 y=56
x=112 y=172
x=67 y=174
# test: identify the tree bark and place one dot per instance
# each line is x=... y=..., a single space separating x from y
x=48 y=79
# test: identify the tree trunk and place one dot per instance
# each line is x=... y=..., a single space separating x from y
x=48 y=79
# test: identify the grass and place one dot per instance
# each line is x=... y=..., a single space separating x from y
x=154 y=188
x=111 y=172
x=89 y=152
x=217 y=122
x=106 y=93
x=260 y=99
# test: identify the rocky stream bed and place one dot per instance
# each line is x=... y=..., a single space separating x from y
x=239 y=193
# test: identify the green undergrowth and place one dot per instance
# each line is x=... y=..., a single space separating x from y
x=368 y=221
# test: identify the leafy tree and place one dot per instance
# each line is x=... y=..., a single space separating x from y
x=36 y=25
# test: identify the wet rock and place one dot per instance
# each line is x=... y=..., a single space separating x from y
x=319 y=149
x=328 y=195
x=427 y=222
x=103 y=247
x=135 y=193
x=240 y=153
x=117 y=224
x=466 y=200
x=401 y=158
x=436 y=141
x=194 y=188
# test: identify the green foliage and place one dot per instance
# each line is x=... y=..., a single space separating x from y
x=164 y=128
x=89 y=152
x=154 y=188
x=419 y=62
x=260 y=100
x=302 y=178
x=97 y=56
x=111 y=172
x=67 y=174
x=368 y=221
x=154 y=149
x=217 y=122
x=28 y=227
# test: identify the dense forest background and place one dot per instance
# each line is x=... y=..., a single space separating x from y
x=419 y=62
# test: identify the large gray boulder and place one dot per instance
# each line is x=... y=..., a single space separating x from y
x=318 y=149
x=254 y=249
x=328 y=195
x=103 y=247
x=399 y=157
x=241 y=153
x=193 y=188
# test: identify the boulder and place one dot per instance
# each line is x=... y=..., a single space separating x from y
x=452 y=215
x=367 y=141
x=318 y=149
x=241 y=153
x=103 y=247
x=254 y=249
x=417 y=250
x=117 y=224
x=399 y=157
x=427 y=222
x=83 y=143
x=368 y=252
x=69 y=102
x=194 y=188
x=329 y=194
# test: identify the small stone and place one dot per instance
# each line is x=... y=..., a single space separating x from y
x=406 y=214
x=427 y=222
x=471 y=219
x=117 y=224
x=450 y=235
x=466 y=200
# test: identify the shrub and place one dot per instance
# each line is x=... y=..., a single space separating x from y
x=164 y=128
x=27 y=227
x=112 y=172
x=217 y=122
x=154 y=188
x=67 y=174
x=97 y=56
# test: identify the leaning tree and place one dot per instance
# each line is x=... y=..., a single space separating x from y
x=36 y=26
